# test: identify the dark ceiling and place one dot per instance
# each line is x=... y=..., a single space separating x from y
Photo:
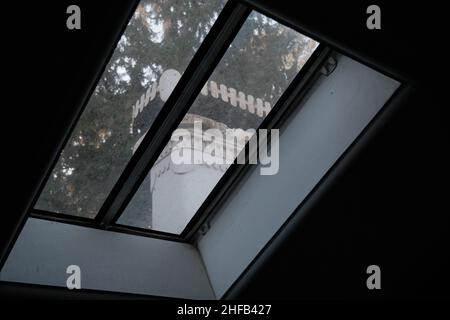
x=387 y=209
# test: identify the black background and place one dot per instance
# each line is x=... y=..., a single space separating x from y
x=390 y=208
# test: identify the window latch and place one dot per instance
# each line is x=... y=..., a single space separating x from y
x=329 y=66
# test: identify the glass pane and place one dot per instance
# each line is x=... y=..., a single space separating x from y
x=261 y=62
x=160 y=38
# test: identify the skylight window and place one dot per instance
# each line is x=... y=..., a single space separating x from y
x=256 y=69
x=143 y=158
x=161 y=36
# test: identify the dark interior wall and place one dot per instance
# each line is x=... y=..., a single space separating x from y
x=388 y=209
x=37 y=292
